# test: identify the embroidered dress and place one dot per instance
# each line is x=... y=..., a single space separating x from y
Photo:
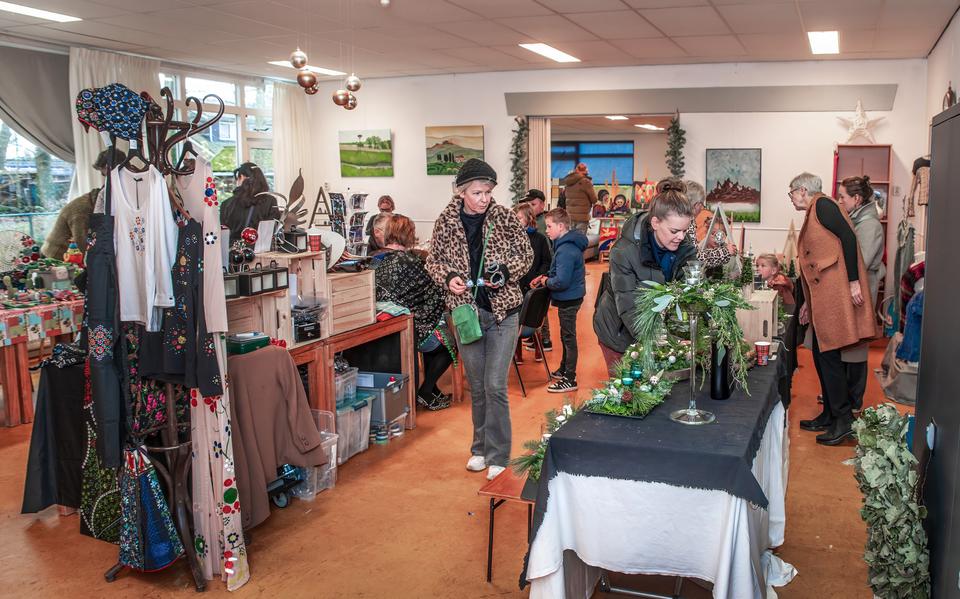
x=199 y=194
x=148 y=538
x=146 y=245
x=182 y=352
x=100 y=491
x=218 y=530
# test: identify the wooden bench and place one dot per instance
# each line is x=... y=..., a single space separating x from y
x=508 y=486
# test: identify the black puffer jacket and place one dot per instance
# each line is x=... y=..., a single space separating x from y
x=236 y=211
x=631 y=263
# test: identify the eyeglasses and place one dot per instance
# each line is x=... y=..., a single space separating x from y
x=791 y=192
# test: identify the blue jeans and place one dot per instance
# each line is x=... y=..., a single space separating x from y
x=487 y=363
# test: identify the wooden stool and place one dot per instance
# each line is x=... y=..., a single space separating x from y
x=506 y=487
x=17 y=386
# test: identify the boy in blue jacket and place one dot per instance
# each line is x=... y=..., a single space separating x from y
x=567 y=283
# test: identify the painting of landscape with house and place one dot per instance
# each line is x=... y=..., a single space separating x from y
x=449 y=147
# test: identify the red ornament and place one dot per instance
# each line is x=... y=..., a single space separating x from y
x=249 y=235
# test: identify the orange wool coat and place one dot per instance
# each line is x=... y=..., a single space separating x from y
x=837 y=321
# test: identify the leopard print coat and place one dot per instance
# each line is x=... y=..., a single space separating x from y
x=508 y=245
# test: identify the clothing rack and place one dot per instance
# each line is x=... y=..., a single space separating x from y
x=174 y=469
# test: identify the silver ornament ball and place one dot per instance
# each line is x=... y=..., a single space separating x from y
x=298 y=59
x=352 y=83
x=351 y=102
x=313 y=89
x=341 y=97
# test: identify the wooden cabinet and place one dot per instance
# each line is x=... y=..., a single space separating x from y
x=268 y=313
x=353 y=301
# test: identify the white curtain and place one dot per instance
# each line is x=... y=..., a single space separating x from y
x=292 y=149
x=92 y=68
x=538 y=154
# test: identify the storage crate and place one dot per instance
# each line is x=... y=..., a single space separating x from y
x=353 y=428
x=268 y=313
x=346 y=386
x=760 y=324
x=319 y=478
x=353 y=302
x=389 y=391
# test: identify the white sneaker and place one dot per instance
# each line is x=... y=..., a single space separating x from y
x=494 y=471
x=476 y=463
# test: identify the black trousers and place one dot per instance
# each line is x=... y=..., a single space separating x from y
x=568 y=336
x=435 y=363
x=833 y=381
x=856 y=382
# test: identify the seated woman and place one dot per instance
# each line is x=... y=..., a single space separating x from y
x=619 y=206
x=768 y=266
x=402 y=279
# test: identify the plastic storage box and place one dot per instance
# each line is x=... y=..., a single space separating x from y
x=353 y=427
x=390 y=399
x=345 y=385
x=324 y=477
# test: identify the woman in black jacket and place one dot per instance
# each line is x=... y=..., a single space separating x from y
x=402 y=279
x=542 y=254
x=653 y=246
x=245 y=208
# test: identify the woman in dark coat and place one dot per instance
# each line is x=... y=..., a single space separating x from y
x=245 y=208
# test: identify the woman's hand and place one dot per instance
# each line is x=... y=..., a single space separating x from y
x=538 y=282
x=732 y=249
x=457 y=286
x=855 y=293
x=805 y=313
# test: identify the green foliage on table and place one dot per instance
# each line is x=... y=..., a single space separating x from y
x=717 y=302
x=896 y=553
x=518 y=160
x=676 y=139
x=636 y=399
x=531 y=463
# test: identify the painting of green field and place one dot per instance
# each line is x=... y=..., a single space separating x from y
x=366 y=153
x=449 y=147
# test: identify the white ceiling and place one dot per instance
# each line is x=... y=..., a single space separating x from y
x=600 y=124
x=416 y=37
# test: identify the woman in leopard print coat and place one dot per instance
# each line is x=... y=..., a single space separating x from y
x=470 y=222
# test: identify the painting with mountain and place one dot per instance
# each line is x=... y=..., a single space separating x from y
x=450 y=147
x=733 y=181
x=366 y=153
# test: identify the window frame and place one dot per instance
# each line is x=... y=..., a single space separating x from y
x=577 y=157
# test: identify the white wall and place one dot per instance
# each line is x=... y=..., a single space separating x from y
x=791 y=142
x=943 y=67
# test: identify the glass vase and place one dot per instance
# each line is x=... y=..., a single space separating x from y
x=693 y=415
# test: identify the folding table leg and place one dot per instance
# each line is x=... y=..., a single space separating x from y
x=523 y=390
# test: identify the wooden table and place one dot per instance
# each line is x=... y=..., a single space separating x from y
x=318 y=356
x=17 y=328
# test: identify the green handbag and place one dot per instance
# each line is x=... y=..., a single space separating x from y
x=466 y=318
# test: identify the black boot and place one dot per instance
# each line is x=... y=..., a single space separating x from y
x=820 y=423
x=837 y=433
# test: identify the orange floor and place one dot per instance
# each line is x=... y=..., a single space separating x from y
x=405 y=521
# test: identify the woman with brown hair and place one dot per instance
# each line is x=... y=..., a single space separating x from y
x=856 y=198
x=653 y=246
x=402 y=279
x=837 y=304
x=385 y=206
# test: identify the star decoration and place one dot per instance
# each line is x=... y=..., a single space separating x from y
x=860 y=125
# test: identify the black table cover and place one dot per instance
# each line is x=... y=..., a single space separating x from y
x=717 y=456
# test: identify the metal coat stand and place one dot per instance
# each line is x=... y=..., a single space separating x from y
x=163 y=133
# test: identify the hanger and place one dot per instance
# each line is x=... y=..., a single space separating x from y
x=187 y=149
x=135 y=152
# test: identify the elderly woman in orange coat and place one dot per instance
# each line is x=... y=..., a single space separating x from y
x=837 y=302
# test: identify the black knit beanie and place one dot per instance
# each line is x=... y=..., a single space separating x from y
x=474 y=170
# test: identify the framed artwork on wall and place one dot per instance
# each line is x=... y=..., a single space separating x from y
x=733 y=182
x=449 y=147
x=366 y=153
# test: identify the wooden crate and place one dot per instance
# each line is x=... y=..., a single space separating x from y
x=268 y=313
x=760 y=324
x=353 y=302
x=309 y=268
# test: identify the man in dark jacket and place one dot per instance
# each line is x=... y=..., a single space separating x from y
x=581 y=196
x=647 y=250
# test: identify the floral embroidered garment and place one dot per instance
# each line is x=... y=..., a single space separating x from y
x=182 y=352
x=148 y=538
x=146 y=245
x=218 y=530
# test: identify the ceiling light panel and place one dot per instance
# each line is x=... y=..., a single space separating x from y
x=319 y=70
x=824 y=42
x=550 y=52
x=37 y=13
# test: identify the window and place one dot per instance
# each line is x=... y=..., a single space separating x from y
x=607 y=161
x=245 y=131
x=33 y=185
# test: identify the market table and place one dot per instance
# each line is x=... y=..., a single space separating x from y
x=17 y=328
x=654 y=496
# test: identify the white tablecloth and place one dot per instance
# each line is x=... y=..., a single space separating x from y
x=654 y=528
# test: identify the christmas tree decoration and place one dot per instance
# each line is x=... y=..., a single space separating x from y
x=313 y=89
x=676 y=139
x=341 y=97
x=352 y=83
x=351 y=102
x=306 y=78
x=518 y=160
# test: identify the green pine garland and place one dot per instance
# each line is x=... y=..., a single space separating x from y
x=518 y=160
x=676 y=139
x=531 y=463
x=898 y=560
